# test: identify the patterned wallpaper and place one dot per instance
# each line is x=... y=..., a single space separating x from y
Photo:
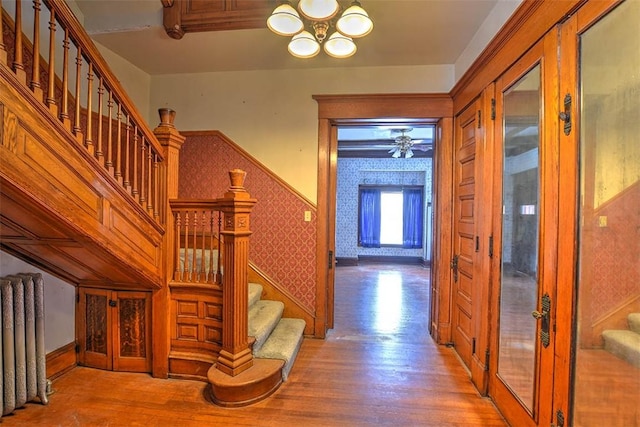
x=611 y=271
x=282 y=245
x=351 y=173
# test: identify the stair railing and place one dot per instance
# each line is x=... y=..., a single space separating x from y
x=59 y=65
x=197 y=246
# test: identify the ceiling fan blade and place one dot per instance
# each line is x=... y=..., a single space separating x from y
x=423 y=147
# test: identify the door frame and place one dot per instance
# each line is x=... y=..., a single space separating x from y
x=334 y=110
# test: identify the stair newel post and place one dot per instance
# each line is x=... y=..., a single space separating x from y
x=235 y=356
x=171 y=141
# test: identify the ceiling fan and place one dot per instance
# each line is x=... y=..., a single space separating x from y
x=404 y=144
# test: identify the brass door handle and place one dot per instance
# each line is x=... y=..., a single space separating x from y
x=538 y=315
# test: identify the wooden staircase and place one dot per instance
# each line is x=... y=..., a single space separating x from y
x=275 y=344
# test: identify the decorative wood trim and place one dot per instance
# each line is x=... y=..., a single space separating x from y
x=342 y=109
x=361 y=107
x=529 y=23
x=61 y=360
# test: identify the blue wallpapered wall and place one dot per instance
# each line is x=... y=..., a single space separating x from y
x=384 y=171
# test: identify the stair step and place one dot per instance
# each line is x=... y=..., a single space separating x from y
x=255 y=293
x=634 y=322
x=624 y=344
x=263 y=318
x=283 y=343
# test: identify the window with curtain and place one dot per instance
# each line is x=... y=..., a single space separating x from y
x=391 y=216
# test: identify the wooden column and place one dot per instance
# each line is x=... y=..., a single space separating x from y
x=235 y=356
x=171 y=141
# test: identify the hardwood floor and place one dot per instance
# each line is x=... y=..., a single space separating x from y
x=377 y=367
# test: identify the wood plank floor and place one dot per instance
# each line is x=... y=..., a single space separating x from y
x=378 y=366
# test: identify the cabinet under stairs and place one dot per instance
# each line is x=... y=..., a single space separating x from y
x=274 y=341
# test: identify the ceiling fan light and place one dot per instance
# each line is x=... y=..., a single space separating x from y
x=408 y=154
x=355 y=21
x=396 y=154
x=319 y=9
x=304 y=45
x=285 y=20
x=339 y=46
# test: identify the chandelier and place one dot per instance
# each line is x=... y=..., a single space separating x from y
x=319 y=16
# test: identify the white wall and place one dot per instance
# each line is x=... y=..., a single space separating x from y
x=272 y=115
x=59 y=302
x=487 y=31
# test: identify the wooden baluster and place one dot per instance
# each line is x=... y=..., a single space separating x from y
x=177 y=274
x=219 y=272
x=211 y=274
x=135 y=173
x=89 y=139
x=109 y=163
x=51 y=83
x=203 y=254
x=143 y=177
x=77 y=130
x=99 y=152
x=118 y=159
x=3 y=48
x=195 y=271
x=18 y=65
x=149 y=180
x=35 y=70
x=127 y=154
x=186 y=270
x=156 y=187
x=64 y=112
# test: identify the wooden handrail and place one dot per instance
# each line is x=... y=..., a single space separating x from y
x=100 y=117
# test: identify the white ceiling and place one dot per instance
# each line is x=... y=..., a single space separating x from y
x=406 y=32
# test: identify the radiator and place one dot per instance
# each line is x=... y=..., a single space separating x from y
x=23 y=357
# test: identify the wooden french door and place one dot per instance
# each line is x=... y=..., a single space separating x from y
x=599 y=246
x=525 y=237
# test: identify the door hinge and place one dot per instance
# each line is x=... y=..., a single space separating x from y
x=473 y=346
x=77 y=298
x=559 y=419
x=454 y=267
x=486 y=360
x=330 y=260
x=77 y=348
x=493 y=108
x=491 y=246
x=477 y=243
x=565 y=115
x=479 y=119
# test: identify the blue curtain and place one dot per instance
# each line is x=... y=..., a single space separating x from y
x=412 y=218
x=370 y=218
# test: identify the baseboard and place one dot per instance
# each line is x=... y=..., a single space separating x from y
x=344 y=262
x=391 y=259
x=189 y=366
x=61 y=360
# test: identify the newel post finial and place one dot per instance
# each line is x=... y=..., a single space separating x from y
x=167 y=116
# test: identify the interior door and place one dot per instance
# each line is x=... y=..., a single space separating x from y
x=465 y=240
x=523 y=269
x=600 y=245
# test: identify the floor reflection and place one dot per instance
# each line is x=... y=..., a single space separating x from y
x=388 y=302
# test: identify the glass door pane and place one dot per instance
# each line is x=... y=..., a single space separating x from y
x=520 y=230
x=607 y=364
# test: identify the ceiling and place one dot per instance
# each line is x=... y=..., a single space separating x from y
x=406 y=32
